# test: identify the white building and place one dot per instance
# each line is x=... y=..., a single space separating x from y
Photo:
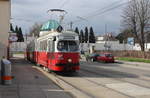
x=103 y=43
x=110 y=43
x=5 y=13
x=138 y=48
x=21 y=46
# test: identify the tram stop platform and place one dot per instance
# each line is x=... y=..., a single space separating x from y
x=29 y=82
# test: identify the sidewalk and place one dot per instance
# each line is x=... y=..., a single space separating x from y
x=29 y=82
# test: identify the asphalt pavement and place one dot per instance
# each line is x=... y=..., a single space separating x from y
x=29 y=82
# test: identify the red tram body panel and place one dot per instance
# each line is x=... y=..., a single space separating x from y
x=55 y=51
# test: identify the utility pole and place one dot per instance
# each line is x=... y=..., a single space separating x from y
x=81 y=18
x=105 y=28
x=105 y=45
x=71 y=25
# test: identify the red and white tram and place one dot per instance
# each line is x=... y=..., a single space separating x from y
x=57 y=51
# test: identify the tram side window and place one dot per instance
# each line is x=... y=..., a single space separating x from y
x=43 y=45
x=51 y=46
x=40 y=46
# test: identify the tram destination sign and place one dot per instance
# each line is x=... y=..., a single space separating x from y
x=69 y=37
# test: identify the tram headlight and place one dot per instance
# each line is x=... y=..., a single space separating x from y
x=69 y=60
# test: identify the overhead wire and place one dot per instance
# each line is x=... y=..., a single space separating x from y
x=104 y=8
x=64 y=3
x=108 y=10
x=21 y=19
x=103 y=11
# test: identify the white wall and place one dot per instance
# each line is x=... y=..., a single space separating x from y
x=137 y=47
x=113 y=46
x=5 y=13
x=21 y=46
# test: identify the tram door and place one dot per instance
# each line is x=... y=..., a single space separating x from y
x=51 y=49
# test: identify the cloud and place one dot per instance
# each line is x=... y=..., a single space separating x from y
x=27 y=12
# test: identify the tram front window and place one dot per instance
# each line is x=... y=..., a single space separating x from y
x=66 y=46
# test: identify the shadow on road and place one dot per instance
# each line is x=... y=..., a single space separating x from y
x=85 y=71
x=97 y=73
x=19 y=61
x=115 y=64
x=93 y=70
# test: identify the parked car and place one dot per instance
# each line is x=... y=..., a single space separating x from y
x=93 y=57
x=106 y=57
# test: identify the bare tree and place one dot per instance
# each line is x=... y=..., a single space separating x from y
x=136 y=16
x=35 y=29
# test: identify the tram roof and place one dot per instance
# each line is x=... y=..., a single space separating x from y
x=49 y=25
x=65 y=33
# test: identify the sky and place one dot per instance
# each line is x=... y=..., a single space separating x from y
x=102 y=15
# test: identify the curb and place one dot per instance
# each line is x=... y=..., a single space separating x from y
x=124 y=62
x=62 y=84
x=138 y=66
x=132 y=63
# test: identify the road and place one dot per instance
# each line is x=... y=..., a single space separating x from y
x=105 y=80
x=111 y=80
x=29 y=82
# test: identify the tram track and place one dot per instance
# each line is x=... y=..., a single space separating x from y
x=141 y=77
x=115 y=75
x=90 y=95
x=107 y=87
x=85 y=92
x=79 y=89
x=58 y=80
x=88 y=70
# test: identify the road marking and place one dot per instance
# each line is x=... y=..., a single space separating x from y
x=129 y=89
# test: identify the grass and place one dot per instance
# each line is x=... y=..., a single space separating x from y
x=133 y=59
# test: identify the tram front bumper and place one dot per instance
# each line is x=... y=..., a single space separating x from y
x=67 y=64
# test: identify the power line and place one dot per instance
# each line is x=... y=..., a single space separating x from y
x=64 y=3
x=107 y=10
x=110 y=5
x=21 y=19
x=104 y=8
x=103 y=11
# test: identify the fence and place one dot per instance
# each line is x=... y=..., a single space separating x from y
x=136 y=54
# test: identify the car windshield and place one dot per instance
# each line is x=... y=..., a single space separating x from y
x=66 y=46
x=94 y=55
x=108 y=55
